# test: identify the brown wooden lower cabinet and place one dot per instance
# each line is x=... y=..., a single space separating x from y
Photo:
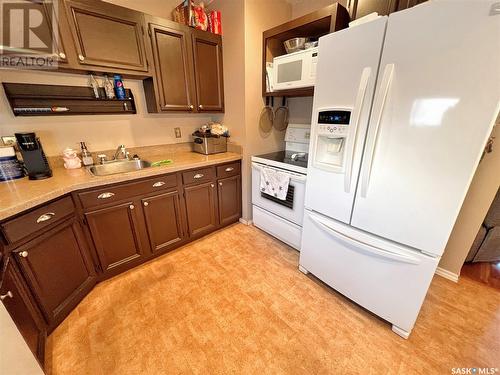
x=23 y=312
x=52 y=267
x=116 y=235
x=163 y=219
x=201 y=208
x=58 y=269
x=229 y=193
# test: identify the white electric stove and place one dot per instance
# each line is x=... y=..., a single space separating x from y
x=283 y=218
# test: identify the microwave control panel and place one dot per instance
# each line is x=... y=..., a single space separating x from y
x=334 y=122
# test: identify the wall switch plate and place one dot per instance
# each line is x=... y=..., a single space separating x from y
x=9 y=140
x=177 y=132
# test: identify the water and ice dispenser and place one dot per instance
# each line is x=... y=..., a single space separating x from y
x=331 y=138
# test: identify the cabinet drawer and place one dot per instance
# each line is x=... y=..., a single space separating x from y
x=228 y=170
x=198 y=176
x=27 y=224
x=117 y=193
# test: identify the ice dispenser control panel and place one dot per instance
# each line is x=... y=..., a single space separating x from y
x=334 y=123
x=331 y=139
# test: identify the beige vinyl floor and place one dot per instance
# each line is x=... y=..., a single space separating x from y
x=234 y=302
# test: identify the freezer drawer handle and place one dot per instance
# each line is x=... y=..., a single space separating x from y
x=366 y=247
x=358 y=108
x=379 y=104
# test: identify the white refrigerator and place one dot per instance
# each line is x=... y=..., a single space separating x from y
x=403 y=107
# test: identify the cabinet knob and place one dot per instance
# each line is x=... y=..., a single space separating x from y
x=191 y=107
x=212 y=185
x=23 y=254
x=220 y=183
x=6 y=295
x=81 y=58
x=200 y=106
x=146 y=204
x=62 y=55
x=131 y=206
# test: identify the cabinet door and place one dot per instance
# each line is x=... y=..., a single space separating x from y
x=201 y=208
x=23 y=312
x=162 y=215
x=229 y=190
x=115 y=232
x=207 y=52
x=106 y=35
x=173 y=67
x=360 y=8
x=58 y=268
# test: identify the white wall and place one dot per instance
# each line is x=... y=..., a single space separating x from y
x=15 y=356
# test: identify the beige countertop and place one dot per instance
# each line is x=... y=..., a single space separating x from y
x=19 y=195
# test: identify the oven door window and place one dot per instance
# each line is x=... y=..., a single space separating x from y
x=288 y=202
x=290 y=72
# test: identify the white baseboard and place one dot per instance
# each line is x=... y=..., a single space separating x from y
x=447 y=274
x=246 y=222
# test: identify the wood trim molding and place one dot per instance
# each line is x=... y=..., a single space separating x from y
x=447 y=274
x=246 y=222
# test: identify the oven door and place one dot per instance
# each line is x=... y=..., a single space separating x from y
x=291 y=209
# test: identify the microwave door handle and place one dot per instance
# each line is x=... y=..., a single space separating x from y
x=351 y=142
x=371 y=142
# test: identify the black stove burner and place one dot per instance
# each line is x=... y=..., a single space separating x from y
x=288 y=157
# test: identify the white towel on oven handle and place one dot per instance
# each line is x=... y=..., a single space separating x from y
x=274 y=183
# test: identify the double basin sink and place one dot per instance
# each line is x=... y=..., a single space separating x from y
x=120 y=166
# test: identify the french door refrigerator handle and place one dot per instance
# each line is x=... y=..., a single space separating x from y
x=366 y=247
x=378 y=106
x=358 y=107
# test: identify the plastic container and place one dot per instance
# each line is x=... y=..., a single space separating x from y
x=119 y=89
x=10 y=168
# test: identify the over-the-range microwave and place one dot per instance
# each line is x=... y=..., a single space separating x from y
x=295 y=70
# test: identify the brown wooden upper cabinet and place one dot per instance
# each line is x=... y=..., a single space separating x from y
x=188 y=69
x=360 y=8
x=173 y=58
x=58 y=268
x=107 y=37
x=207 y=52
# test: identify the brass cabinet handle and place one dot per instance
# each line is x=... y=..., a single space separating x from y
x=146 y=204
x=212 y=185
x=23 y=254
x=4 y=296
x=81 y=58
x=200 y=106
x=191 y=107
x=45 y=217
x=105 y=195
x=62 y=55
x=131 y=206
x=229 y=169
x=220 y=183
x=158 y=184
x=198 y=175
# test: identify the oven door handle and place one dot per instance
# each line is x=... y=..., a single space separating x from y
x=293 y=176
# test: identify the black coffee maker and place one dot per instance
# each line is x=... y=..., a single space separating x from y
x=35 y=161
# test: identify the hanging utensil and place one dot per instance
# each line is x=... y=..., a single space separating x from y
x=266 y=117
x=281 y=116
